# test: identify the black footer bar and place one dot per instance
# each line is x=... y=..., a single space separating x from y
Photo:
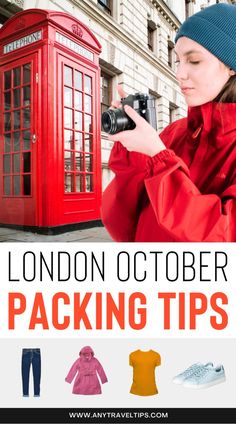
x=118 y=415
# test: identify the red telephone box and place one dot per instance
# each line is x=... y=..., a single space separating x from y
x=50 y=167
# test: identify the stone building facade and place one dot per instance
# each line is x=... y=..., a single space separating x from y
x=137 y=39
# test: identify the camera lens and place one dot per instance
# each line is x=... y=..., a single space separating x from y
x=108 y=122
x=114 y=121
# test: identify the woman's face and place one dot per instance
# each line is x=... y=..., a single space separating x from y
x=200 y=74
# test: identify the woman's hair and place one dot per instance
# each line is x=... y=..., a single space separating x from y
x=228 y=92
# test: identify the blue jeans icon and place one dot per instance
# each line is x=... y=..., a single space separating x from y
x=31 y=356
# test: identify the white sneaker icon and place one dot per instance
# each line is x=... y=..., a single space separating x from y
x=205 y=377
x=190 y=371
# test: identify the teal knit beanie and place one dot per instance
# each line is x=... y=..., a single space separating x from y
x=215 y=29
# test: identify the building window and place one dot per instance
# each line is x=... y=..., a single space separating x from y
x=151 y=30
x=105 y=5
x=106 y=91
x=172 y=112
x=187 y=9
x=3 y=19
x=208 y=3
x=9 y=8
x=170 y=54
x=157 y=107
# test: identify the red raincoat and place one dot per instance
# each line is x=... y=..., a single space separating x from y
x=184 y=193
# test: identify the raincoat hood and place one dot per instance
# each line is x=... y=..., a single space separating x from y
x=86 y=353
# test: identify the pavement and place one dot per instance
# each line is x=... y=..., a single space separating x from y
x=95 y=234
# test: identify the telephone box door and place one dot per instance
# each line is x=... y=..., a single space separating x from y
x=19 y=141
x=78 y=121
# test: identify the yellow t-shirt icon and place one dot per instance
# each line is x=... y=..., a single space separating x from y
x=144 y=364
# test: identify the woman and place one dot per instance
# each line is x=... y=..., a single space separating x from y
x=181 y=186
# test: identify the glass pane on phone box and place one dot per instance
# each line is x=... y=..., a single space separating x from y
x=16 y=141
x=16 y=94
x=68 y=96
x=7 y=164
x=88 y=163
x=89 y=183
x=26 y=140
x=26 y=95
x=88 y=104
x=88 y=142
x=87 y=123
x=16 y=119
x=78 y=141
x=7 y=100
x=68 y=183
x=7 y=80
x=7 y=186
x=16 y=185
x=68 y=76
x=67 y=118
x=79 y=183
x=87 y=84
x=69 y=163
x=7 y=121
x=68 y=139
x=26 y=118
x=27 y=162
x=78 y=121
x=16 y=76
x=26 y=73
x=27 y=185
x=78 y=100
x=16 y=163
x=78 y=80
x=7 y=143
x=79 y=161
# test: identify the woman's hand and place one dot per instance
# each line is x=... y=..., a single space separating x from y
x=143 y=138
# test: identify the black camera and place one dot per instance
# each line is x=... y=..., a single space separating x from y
x=116 y=120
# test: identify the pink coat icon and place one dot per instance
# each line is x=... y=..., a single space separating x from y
x=86 y=369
